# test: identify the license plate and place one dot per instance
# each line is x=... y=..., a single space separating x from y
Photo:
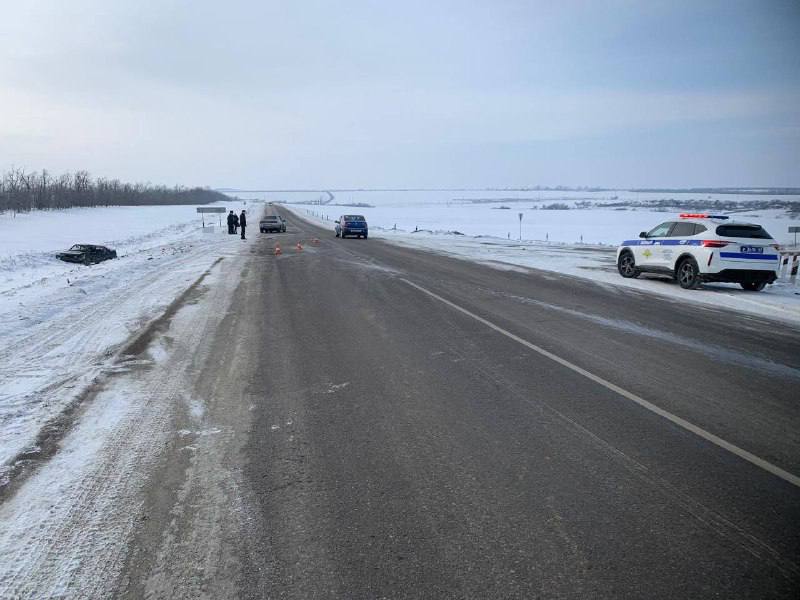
x=753 y=249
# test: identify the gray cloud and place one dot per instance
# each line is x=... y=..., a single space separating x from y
x=372 y=93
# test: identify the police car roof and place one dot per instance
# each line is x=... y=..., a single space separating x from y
x=714 y=220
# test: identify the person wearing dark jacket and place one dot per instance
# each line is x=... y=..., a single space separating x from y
x=230 y=222
x=235 y=223
x=243 y=223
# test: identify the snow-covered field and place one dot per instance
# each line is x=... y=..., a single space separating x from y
x=496 y=213
x=62 y=324
x=577 y=241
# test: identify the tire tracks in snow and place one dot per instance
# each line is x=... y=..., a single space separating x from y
x=66 y=531
x=75 y=340
x=48 y=440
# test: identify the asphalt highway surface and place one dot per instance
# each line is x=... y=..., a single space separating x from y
x=410 y=425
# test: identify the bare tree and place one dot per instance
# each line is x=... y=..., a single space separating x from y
x=21 y=191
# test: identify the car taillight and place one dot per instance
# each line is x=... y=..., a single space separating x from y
x=714 y=244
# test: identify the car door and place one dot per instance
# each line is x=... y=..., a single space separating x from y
x=672 y=245
x=650 y=248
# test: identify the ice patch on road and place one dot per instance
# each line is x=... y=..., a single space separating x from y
x=196 y=410
x=335 y=387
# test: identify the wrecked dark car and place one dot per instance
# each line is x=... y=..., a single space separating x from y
x=87 y=254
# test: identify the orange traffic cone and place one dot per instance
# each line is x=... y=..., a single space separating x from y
x=277 y=249
x=315 y=242
x=299 y=247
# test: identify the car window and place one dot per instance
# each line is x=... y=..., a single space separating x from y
x=699 y=228
x=353 y=218
x=743 y=231
x=660 y=231
x=682 y=230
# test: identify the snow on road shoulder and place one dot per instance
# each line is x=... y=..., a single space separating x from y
x=61 y=324
x=67 y=530
x=779 y=301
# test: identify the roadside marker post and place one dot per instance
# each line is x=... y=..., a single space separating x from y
x=789 y=265
x=520 y=227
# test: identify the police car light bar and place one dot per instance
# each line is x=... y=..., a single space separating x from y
x=701 y=216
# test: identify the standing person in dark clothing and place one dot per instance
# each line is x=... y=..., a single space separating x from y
x=235 y=223
x=243 y=223
x=230 y=222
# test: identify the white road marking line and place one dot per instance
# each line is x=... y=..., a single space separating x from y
x=699 y=431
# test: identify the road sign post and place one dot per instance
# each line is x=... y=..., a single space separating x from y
x=211 y=209
x=794 y=230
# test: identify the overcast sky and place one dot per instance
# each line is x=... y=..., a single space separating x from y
x=400 y=94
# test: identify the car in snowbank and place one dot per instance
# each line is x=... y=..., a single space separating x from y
x=87 y=254
x=272 y=223
x=700 y=247
x=351 y=225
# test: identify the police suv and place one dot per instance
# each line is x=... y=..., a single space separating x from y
x=702 y=247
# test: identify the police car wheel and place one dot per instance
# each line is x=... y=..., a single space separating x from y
x=688 y=274
x=753 y=286
x=626 y=265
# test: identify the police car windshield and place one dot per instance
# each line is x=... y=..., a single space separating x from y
x=743 y=231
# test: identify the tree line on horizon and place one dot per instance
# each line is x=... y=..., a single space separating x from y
x=23 y=191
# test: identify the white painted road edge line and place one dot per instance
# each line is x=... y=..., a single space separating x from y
x=708 y=436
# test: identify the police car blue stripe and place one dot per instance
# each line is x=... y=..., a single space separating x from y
x=750 y=255
x=662 y=243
